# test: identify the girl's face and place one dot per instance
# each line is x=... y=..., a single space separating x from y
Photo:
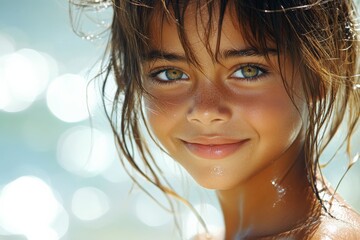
x=224 y=121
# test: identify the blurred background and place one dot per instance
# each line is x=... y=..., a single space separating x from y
x=60 y=177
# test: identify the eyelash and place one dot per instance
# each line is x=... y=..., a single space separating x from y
x=154 y=75
x=262 y=72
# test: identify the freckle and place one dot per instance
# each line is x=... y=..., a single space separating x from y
x=217 y=171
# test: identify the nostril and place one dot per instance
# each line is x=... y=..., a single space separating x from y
x=208 y=116
x=209 y=104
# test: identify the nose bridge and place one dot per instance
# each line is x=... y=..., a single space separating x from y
x=207 y=95
x=208 y=105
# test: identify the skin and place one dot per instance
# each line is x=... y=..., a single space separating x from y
x=213 y=104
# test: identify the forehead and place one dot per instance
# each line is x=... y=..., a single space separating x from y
x=197 y=28
x=200 y=29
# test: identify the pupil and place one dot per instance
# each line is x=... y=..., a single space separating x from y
x=174 y=74
x=250 y=71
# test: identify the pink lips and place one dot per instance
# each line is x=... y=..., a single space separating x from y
x=213 y=150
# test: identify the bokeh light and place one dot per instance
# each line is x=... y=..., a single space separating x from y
x=69 y=98
x=150 y=212
x=24 y=75
x=212 y=217
x=85 y=151
x=7 y=44
x=89 y=203
x=28 y=207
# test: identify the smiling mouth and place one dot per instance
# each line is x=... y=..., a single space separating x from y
x=213 y=150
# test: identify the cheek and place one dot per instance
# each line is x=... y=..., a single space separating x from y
x=163 y=116
x=273 y=115
x=156 y=115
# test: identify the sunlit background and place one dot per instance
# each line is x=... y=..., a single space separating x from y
x=60 y=177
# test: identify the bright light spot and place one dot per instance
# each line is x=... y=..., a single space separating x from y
x=95 y=88
x=7 y=45
x=28 y=207
x=150 y=213
x=85 y=151
x=44 y=234
x=69 y=99
x=100 y=97
x=331 y=229
x=89 y=203
x=211 y=216
x=23 y=77
x=52 y=65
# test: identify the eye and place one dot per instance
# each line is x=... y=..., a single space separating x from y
x=248 y=72
x=167 y=75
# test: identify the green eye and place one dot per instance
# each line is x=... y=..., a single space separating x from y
x=170 y=75
x=174 y=74
x=248 y=72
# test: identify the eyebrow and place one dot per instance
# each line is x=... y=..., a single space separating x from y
x=248 y=52
x=163 y=55
x=230 y=53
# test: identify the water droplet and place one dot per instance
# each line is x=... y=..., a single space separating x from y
x=217 y=171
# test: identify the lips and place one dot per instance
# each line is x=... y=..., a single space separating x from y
x=213 y=148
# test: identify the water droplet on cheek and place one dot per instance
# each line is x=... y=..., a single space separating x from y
x=217 y=171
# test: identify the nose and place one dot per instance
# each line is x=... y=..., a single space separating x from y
x=209 y=106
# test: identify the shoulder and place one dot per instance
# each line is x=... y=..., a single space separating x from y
x=337 y=231
x=343 y=225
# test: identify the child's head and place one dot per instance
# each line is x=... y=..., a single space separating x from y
x=263 y=78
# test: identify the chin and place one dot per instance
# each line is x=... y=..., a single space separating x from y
x=215 y=183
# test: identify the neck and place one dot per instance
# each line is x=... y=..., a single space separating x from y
x=269 y=203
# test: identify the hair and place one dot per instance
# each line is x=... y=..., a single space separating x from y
x=320 y=36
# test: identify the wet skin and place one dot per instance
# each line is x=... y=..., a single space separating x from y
x=233 y=127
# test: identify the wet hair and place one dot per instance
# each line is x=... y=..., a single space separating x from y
x=320 y=36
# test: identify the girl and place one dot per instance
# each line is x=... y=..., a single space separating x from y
x=245 y=95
